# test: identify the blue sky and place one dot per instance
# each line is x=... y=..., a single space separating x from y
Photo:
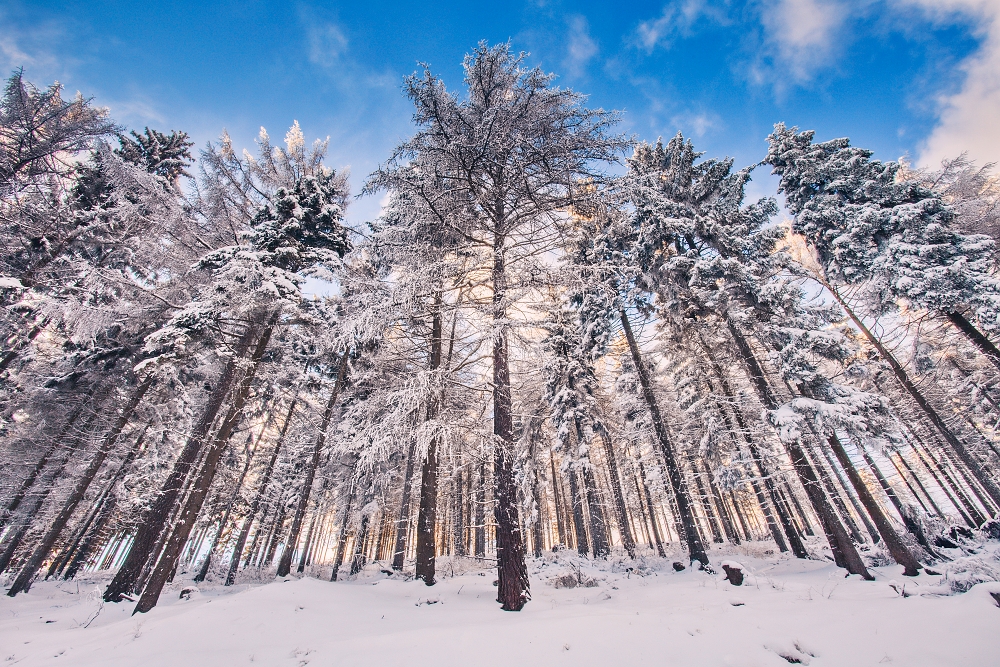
x=903 y=77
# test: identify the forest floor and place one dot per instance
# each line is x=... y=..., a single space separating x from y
x=786 y=611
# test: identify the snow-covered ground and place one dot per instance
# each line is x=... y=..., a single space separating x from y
x=806 y=611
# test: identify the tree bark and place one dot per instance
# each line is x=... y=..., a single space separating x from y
x=185 y=521
x=513 y=587
x=285 y=565
x=265 y=480
x=342 y=539
x=91 y=535
x=696 y=549
x=154 y=522
x=982 y=472
x=621 y=514
x=978 y=339
x=896 y=547
x=403 y=523
x=840 y=543
x=27 y=573
x=579 y=522
x=427 y=512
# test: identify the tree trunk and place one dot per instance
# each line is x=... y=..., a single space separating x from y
x=621 y=514
x=342 y=539
x=696 y=549
x=652 y=512
x=39 y=466
x=798 y=548
x=185 y=520
x=265 y=480
x=427 y=512
x=560 y=529
x=403 y=524
x=24 y=578
x=982 y=472
x=153 y=523
x=840 y=543
x=896 y=547
x=513 y=588
x=92 y=535
x=579 y=522
x=480 y=512
x=285 y=565
x=984 y=344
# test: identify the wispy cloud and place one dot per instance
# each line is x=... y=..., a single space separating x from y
x=32 y=49
x=696 y=124
x=967 y=121
x=677 y=18
x=327 y=43
x=580 y=46
x=801 y=37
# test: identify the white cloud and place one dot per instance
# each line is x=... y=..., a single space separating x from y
x=969 y=120
x=803 y=34
x=580 y=46
x=327 y=43
x=695 y=124
x=676 y=18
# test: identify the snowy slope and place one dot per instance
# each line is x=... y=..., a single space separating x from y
x=805 y=610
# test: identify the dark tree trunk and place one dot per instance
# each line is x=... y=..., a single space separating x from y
x=579 y=522
x=459 y=514
x=27 y=573
x=359 y=561
x=308 y=545
x=696 y=550
x=285 y=565
x=798 y=548
x=598 y=522
x=338 y=559
x=152 y=526
x=480 y=512
x=427 y=512
x=621 y=514
x=896 y=547
x=513 y=588
x=982 y=472
x=984 y=344
x=652 y=512
x=224 y=521
x=167 y=563
x=706 y=506
x=92 y=535
x=57 y=442
x=265 y=480
x=840 y=543
x=560 y=528
x=724 y=516
x=403 y=524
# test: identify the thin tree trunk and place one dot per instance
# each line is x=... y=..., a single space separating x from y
x=579 y=522
x=896 y=547
x=560 y=529
x=185 y=521
x=92 y=536
x=982 y=472
x=696 y=549
x=300 y=510
x=840 y=543
x=259 y=497
x=480 y=512
x=153 y=524
x=652 y=512
x=621 y=515
x=984 y=344
x=41 y=552
x=403 y=523
x=342 y=539
x=358 y=562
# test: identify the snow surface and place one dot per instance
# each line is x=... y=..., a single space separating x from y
x=806 y=611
